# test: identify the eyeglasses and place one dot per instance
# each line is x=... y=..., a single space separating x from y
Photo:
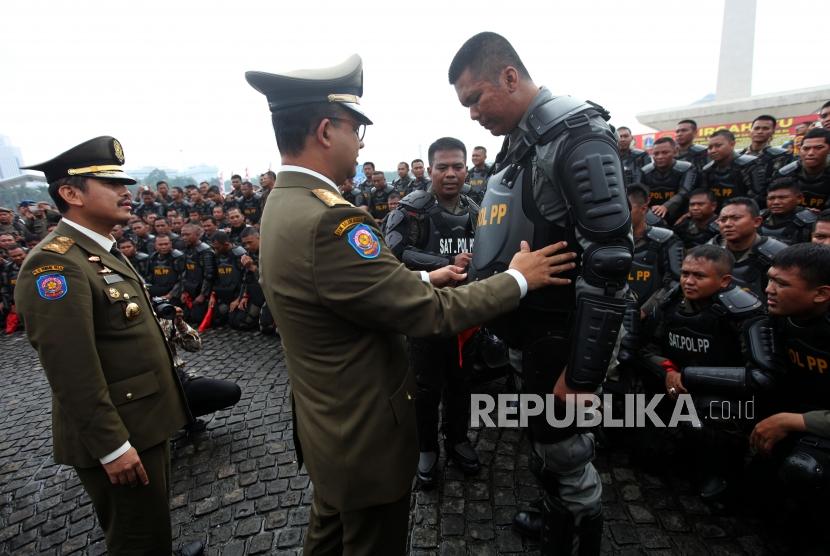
x=359 y=129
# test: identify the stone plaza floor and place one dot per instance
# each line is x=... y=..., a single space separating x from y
x=237 y=487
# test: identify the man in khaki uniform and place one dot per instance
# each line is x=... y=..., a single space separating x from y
x=115 y=397
x=343 y=303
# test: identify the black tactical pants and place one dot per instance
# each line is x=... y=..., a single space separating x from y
x=435 y=363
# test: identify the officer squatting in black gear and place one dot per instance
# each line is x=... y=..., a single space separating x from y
x=428 y=231
x=164 y=270
x=633 y=160
x=796 y=429
x=558 y=177
x=699 y=224
x=771 y=158
x=229 y=275
x=811 y=170
x=658 y=254
x=687 y=149
x=700 y=322
x=783 y=218
x=198 y=274
x=739 y=221
x=729 y=174
x=249 y=311
x=669 y=181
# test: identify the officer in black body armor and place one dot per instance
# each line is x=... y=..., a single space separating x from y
x=701 y=324
x=378 y=197
x=178 y=203
x=143 y=240
x=658 y=254
x=729 y=174
x=249 y=204
x=699 y=224
x=558 y=177
x=687 y=149
x=138 y=259
x=783 y=218
x=811 y=170
x=403 y=183
x=669 y=181
x=198 y=274
x=148 y=205
x=771 y=158
x=164 y=270
x=633 y=160
x=249 y=311
x=796 y=429
x=477 y=174
x=351 y=193
x=229 y=274
x=421 y=181
x=426 y=232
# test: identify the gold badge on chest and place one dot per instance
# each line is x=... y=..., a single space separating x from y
x=132 y=310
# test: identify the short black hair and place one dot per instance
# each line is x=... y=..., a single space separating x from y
x=824 y=216
x=271 y=173
x=249 y=231
x=293 y=125
x=394 y=195
x=236 y=176
x=416 y=160
x=725 y=133
x=221 y=237
x=786 y=182
x=445 y=144
x=811 y=259
x=639 y=193
x=125 y=239
x=78 y=182
x=179 y=189
x=825 y=105
x=404 y=162
x=149 y=192
x=213 y=189
x=480 y=148
x=624 y=127
x=750 y=204
x=372 y=164
x=690 y=122
x=158 y=183
x=485 y=55
x=767 y=118
x=665 y=139
x=379 y=173
x=818 y=133
x=723 y=259
x=206 y=218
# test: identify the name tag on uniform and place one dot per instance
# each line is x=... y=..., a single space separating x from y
x=113 y=278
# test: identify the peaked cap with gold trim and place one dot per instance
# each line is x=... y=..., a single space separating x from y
x=101 y=157
x=342 y=84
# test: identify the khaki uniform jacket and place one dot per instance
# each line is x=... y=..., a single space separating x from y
x=112 y=376
x=342 y=318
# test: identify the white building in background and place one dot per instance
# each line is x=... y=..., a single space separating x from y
x=10 y=159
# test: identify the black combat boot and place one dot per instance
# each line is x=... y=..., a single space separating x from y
x=195 y=548
x=427 y=470
x=528 y=523
x=464 y=456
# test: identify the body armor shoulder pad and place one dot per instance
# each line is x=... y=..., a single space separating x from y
x=674 y=293
x=737 y=301
x=768 y=249
x=151 y=237
x=805 y=218
x=239 y=251
x=660 y=235
x=141 y=256
x=788 y=169
x=682 y=166
x=474 y=207
x=176 y=253
x=202 y=247
x=745 y=159
x=713 y=227
x=708 y=165
x=776 y=151
x=697 y=149
x=649 y=168
x=765 y=213
x=557 y=110
x=419 y=201
x=638 y=153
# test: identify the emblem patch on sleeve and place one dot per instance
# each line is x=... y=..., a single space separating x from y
x=51 y=286
x=364 y=241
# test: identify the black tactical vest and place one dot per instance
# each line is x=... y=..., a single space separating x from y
x=645 y=276
x=163 y=271
x=700 y=338
x=449 y=234
x=807 y=382
x=228 y=274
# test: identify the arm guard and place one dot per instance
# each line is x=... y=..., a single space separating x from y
x=593 y=184
x=415 y=259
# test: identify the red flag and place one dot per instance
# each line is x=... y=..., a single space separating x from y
x=209 y=314
x=462 y=339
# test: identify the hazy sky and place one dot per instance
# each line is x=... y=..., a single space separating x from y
x=167 y=78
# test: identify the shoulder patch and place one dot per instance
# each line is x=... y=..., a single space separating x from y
x=51 y=286
x=347 y=224
x=330 y=199
x=364 y=241
x=59 y=244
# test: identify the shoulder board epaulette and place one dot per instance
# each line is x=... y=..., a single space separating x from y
x=681 y=166
x=745 y=159
x=330 y=199
x=59 y=244
x=658 y=234
x=737 y=300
